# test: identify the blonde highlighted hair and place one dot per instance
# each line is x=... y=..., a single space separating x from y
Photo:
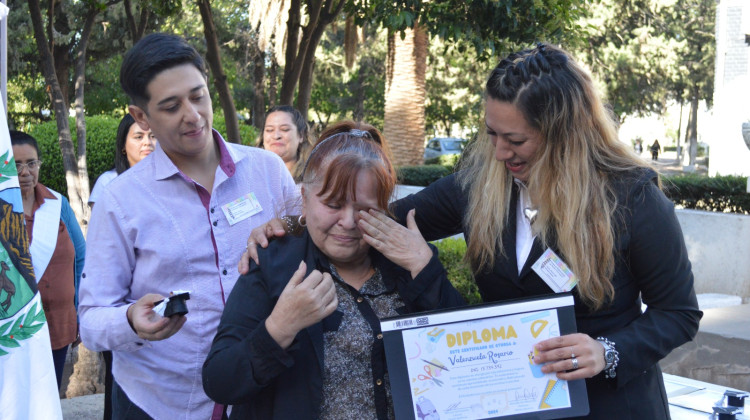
x=572 y=175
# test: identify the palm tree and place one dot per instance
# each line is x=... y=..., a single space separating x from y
x=404 y=120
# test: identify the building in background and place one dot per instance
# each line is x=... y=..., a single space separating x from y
x=730 y=147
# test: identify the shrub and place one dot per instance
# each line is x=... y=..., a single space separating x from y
x=248 y=133
x=452 y=251
x=723 y=193
x=422 y=175
x=445 y=160
x=101 y=131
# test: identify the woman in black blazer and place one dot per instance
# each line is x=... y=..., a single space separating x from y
x=550 y=173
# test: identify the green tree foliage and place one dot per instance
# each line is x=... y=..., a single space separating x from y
x=647 y=52
x=340 y=92
x=487 y=25
x=455 y=82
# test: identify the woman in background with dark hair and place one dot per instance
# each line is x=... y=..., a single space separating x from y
x=57 y=248
x=132 y=144
x=285 y=133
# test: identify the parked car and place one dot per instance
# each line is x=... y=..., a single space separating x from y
x=444 y=146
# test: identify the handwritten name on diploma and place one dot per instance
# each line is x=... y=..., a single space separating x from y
x=490 y=356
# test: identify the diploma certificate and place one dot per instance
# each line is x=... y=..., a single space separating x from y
x=477 y=362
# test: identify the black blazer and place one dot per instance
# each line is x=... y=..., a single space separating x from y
x=651 y=264
x=247 y=369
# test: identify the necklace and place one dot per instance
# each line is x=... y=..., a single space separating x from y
x=530 y=213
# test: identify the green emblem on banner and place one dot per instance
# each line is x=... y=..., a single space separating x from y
x=22 y=328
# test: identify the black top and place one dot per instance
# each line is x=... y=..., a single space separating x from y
x=651 y=264
x=246 y=367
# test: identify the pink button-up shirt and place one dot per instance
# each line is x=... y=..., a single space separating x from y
x=153 y=230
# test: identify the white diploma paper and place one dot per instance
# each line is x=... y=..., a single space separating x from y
x=480 y=368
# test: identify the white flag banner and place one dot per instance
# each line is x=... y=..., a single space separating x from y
x=28 y=386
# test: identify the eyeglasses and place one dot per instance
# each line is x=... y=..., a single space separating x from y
x=34 y=165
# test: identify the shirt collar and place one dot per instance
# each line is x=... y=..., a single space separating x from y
x=41 y=193
x=165 y=168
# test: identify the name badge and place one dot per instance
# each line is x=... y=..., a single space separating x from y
x=241 y=208
x=555 y=272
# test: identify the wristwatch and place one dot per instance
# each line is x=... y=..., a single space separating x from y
x=611 y=357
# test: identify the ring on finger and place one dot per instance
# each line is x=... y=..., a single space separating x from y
x=572 y=354
x=575 y=363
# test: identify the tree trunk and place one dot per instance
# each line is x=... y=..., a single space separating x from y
x=83 y=378
x=693 y=125
x=273 y=82
x=136 y=29
x=404 y=120
x=213 y=57
x=308 y=66
x=680 y=151
x=259 y=103
x=299 y=70
x=82 y=195
x=291 y=72
x=58 y=102
x=359 y=106
x=58 y=23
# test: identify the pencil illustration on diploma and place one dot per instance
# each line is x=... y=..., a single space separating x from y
x=436 y=365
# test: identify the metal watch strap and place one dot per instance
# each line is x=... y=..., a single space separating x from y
x=611 y=357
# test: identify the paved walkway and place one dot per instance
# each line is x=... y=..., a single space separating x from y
x=87 y=407
x=669 y=165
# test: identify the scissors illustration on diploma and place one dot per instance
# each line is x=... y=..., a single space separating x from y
x=429 y=376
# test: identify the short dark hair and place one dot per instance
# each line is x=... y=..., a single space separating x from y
x=121 y=159
x=18 y=138
x=150 y=56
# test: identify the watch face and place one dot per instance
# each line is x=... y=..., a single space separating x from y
x=609 y=356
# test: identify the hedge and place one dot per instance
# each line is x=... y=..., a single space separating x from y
x=421 y=176
x=452 y=252
x=722 y=193
x=101 y=132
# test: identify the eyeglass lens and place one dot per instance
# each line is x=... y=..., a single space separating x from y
x=33 y=165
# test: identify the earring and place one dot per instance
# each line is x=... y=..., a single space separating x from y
x=124 y=152
x=302 y=221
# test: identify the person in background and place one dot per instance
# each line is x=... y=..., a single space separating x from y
x=300 y=335
x=57 y=248
x=285 y=132
x=655 y=150
x=177 y=221
x=132 y=144
x=550 y=174
x=638 y=146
